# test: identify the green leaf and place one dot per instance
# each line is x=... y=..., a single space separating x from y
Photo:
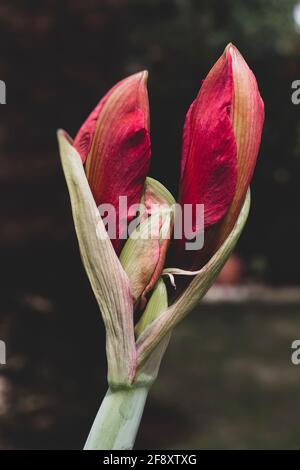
x=158 y=302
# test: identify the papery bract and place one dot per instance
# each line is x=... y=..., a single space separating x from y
x=143 y=256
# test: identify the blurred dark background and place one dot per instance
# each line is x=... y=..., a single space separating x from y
x=227 y=380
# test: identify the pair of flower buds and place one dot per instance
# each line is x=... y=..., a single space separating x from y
x=109 y=158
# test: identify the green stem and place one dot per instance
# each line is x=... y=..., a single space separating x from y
x=118 y=419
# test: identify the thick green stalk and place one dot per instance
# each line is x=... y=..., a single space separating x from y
x=118 y=419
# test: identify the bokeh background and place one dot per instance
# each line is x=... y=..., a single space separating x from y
x=227 y=380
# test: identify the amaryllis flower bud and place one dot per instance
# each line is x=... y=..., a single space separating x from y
x=221 y=140
x=114 y=146
x=109 y=159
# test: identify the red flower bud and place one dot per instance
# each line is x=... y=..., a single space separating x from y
x=114 y=145
x=221 y=140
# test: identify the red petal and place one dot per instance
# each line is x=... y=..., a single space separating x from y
x=247 y=120
x=220 y=145
x=114 y=142
x=85 y=135
x=209 y=163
